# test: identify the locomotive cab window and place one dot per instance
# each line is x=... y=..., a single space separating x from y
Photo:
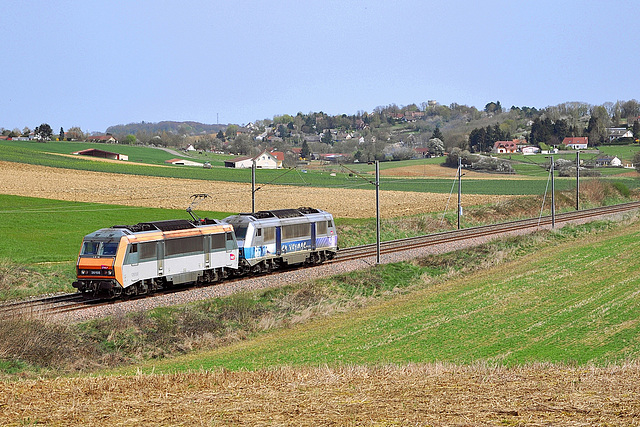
x=133 y=249
x=241 y=232
x=109 y=249
x=90 y=248
x=231 y=242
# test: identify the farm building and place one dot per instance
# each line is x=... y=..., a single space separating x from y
x=94 y=152
x=263 y=160
x=530 y=150
x=576 y=142
x=102 y=138
x=183 y=162
x=608 y=161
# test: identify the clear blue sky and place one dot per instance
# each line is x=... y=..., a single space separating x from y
x=99 y=63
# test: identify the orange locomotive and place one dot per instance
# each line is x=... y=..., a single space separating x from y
x=136 y=259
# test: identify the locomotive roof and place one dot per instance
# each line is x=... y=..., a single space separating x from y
x=168 y=225
x=281 y=213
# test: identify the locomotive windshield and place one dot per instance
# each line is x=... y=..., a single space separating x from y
x=93 y=247
x=241 y=232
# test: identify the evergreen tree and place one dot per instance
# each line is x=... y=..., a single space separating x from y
x=438 y=134
x=305 y=150
x=61 y=137
x=327 y=138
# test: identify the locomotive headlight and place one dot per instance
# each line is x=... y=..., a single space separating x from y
x=83 y=272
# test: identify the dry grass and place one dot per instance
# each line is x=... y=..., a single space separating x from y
x=432 y=394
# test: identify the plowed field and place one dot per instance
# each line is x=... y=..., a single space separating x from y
x=133 y=190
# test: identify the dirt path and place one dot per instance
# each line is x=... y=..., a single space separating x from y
x=133 y=190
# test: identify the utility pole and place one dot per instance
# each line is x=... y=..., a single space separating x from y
x=577 y=180
x=253 y=186
x=459 y=189
x=377 y=212
x=377 y=185
x=553 y=196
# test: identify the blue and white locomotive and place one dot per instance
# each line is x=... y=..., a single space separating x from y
x=268 y=240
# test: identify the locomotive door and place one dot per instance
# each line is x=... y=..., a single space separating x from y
x=278 y=241
x=207 y=251
x=160 y=253
x=313 y=236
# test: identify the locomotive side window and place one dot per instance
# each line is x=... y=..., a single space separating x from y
x=330 y=224
x=259 y=232
x=132 y=255
x=148 y=250
x=184 y=245
x=269 y=234
x=296 y=230
x=321 y=227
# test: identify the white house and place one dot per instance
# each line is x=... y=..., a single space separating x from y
x=608 y=161
x=264 y=160
x=576 y=142
x=615 y=133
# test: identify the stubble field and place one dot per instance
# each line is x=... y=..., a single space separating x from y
x=171 y=193
x=411 y=395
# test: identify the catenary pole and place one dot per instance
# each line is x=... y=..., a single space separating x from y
x=553 y=196
x=253 y=186
x=377 y=212
x=577 y=180
x=459 y=189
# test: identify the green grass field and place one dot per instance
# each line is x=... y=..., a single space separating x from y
x=575 y=302
x=36 y=153
x=36 y=230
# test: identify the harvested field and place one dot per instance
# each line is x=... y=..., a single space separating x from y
x=437 y=171
x=390 y=395
x=134 y=190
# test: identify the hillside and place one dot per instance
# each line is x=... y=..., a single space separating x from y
x=174 y=127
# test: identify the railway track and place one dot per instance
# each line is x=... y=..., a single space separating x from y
x=57 y=304
x=409 y=243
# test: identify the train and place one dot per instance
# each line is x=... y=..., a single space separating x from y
x=130 y=260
